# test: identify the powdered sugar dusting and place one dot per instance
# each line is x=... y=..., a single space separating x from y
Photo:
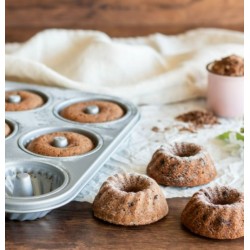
x=178 y=148
x=220 y=194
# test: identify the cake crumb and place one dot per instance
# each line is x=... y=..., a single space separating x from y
x=190 y=129
x=167 y=128
x=155 y=129
x=198 y=118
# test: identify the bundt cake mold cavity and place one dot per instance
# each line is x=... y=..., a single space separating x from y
x=130 y=200
x=216 y=213
x=181 y=165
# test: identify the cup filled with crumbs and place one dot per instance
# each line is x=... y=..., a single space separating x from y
x=225 y=96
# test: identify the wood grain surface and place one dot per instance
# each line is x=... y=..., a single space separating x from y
x=74 y=227
x=120 y=18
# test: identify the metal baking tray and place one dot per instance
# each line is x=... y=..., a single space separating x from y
x=59 y=179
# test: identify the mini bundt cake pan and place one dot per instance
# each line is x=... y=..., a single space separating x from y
x=181 y=164
x=27 y=169
x=215 y=212
x=27 y=184
x=130 y=200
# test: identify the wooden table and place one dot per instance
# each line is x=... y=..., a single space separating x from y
x=24 y=18
x=74 y=227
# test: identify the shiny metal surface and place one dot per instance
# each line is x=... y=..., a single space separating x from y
x=69 y=174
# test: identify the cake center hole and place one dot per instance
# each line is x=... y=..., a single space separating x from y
x=187 y=150
x=134 y=188
x=92 y=110
x=22 y=185
x=14 y=98
x=60 y=142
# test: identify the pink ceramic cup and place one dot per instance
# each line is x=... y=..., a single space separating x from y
x=225 y=95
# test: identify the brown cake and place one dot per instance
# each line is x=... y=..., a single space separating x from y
x=229 y=66
x=105 y=111
x=28 y=100
x=130 y=200
x=216 y=213
x=7 y=129
x=77 y=144
x=181 y=165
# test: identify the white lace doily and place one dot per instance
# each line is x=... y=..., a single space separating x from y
x=136 y=152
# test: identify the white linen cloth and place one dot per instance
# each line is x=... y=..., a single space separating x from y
x=151 y=70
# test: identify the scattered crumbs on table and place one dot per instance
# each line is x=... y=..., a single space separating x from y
x=167 y=128
x=198 y=118
x=190 y=129
x=155 y=129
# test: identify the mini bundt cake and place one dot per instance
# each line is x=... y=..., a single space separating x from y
x=216 y=213
x=27 y=100
x=7 y=129
x=130 y=200
x=105 y=111
x=181 y=165
x=76 y=144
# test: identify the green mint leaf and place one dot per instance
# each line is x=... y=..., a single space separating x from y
x=239 y=137
x=224 y=136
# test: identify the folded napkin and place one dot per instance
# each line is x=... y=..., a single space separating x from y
x=151 y=70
